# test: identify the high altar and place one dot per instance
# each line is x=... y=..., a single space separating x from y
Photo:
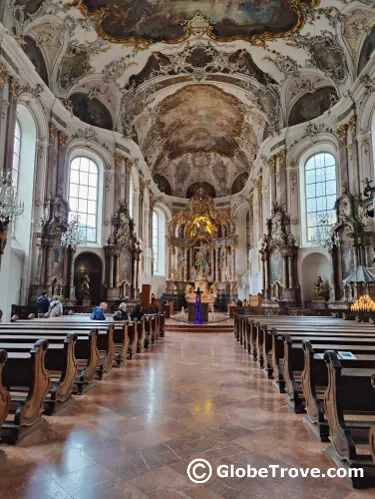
x=202 y=253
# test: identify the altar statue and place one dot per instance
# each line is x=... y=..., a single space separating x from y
x=85 y=284
x=320 y=289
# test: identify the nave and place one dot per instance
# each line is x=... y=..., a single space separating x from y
x=133 y=434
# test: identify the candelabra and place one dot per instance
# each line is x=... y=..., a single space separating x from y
x=74 y=235
x=323 y=235
x=10 y=207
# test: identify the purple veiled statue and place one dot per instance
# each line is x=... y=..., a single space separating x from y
x=198 y=308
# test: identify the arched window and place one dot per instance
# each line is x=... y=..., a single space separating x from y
x=158 y=241
x=320 y=193
x=84 y=194
x=16 y=155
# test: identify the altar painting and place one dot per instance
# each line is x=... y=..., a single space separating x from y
x=347 y=259
x=276 y=267
x=126 y=265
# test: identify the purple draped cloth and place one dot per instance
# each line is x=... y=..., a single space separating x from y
x=198 y=310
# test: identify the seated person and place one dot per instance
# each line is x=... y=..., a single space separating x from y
x=42 y=304
x=239 y=303
x=137 y=313
x=98 y=314
x=121 y=314
x=55 y=308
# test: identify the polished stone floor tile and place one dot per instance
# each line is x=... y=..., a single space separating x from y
x=133 y=435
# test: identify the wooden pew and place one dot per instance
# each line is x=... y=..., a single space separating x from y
x=86 y=351
x=349 y=393
x=293 y=364
x=25 y=376
x=60 y=361
x=314 y=382
x=105 y=342
x=5 y=399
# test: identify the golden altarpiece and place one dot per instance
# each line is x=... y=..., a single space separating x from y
x=202 y=245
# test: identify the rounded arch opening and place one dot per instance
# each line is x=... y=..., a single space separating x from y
x=88 y=277
x=314 y=265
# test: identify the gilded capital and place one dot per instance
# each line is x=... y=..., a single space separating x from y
x=353 y=123
x=15 y=87
x=259 y=183
x=272 y=162
x=251 y=201
x=4 y=75
x=282 y=156
x=129 y=164
x=63 y=139
x=341 y=133
x=53 y=130
x=119 y=158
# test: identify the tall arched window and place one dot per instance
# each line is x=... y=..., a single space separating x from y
x=16 y=155
x=84 y=194
x=158 y=241
x=320 y=192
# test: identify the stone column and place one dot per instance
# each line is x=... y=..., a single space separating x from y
x=111 y=265
x=140 y=207
x=233 y=249
x=291 y=271
x=251 y=221
x=117 y=270
x=281 y=180
x=332 y=289
x=217 y=269
x=355 y=181
x=128 y=172
x=285 y=273
x=119 y=178
x=186 y=264
x=72 y=291
x=272 y=161
x=61 y=167
x=11 y=123
x=342 y=133
x=260 y=205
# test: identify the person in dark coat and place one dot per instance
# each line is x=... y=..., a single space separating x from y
x=121 y=314
x=137 y=313
x=42 y=304
x=98 y=314
x=239 y=303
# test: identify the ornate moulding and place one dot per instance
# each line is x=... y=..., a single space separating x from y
x=260 y=22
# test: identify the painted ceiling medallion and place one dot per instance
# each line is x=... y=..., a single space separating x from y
x=145 y=22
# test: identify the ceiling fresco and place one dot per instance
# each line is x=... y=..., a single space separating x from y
x=198 y=85
x=151 y=21
x=194 y=118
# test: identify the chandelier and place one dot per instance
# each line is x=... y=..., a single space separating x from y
x=74 y=235
x=10 y=207
x=323 y=235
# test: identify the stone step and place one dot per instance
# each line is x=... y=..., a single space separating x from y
x=199 y=328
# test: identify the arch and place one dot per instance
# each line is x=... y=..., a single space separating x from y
x=366 y=51
x=239 y=183
x=313 y=265
x=36 y=56
x=91 y=111
x=85 y=191
x=90 y=263
x=311 y=105
x=208 y=188
x=318 y=189
x=163 y=184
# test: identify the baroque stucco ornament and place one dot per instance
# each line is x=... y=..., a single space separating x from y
x=174 y=22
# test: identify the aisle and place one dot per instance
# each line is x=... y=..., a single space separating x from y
x=134 y=435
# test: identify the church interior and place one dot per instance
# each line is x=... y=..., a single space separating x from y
x=187 y=249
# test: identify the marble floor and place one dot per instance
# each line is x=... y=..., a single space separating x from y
x=134 y=434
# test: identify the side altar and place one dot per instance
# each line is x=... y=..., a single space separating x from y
x=202 y=244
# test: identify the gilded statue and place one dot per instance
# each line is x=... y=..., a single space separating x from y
x=320 y=289
x=85 y=284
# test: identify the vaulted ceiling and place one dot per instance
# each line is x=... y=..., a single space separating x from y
x=197 y=84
